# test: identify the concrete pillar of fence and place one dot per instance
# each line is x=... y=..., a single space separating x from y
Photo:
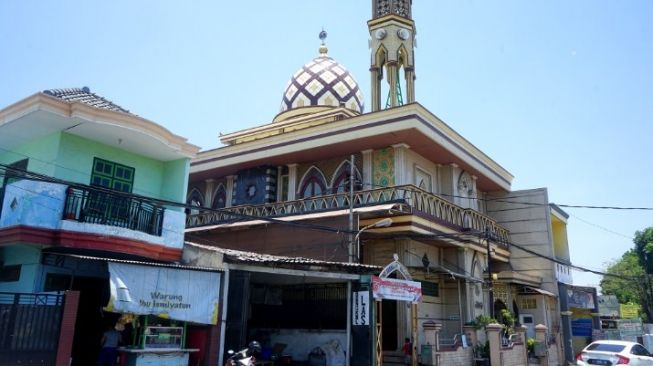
x=67 y=330
x=540 y=337
x=470 y=334
x=432 y=338
x=429 y=332
x=494 y=337
x=521 y=331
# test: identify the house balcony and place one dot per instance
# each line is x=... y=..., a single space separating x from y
x=563 y=273
x=89 y=205
x=84 y=217
x=412 y=199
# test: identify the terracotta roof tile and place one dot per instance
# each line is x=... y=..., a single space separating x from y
x=84 y=95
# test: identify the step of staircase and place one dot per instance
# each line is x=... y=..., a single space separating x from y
x=393 y=359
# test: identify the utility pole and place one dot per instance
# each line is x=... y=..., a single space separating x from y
x=489 y=271
x=351 y=259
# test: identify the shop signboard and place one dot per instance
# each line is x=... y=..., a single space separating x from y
x=392 y=289
x=361 y=308
x=629 y=311
x=172 y=293
x=608 y=306
x=581 y=327
x=580 y=298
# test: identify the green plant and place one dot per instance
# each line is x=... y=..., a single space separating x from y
x=530 y=345
x=508 y=321
x=482 y=350
x=482 y=321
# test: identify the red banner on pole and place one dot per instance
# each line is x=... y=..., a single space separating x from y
x=392 y=289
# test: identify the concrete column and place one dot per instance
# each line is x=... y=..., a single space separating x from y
x=470 y=334
x=292 y=182
x=67 y=330
x=410 y=84
x=430 y=339
x=540 y=337
x=521 y=330
x=367 y=169
x=473 y=201
x=429 y=332
x=400 y=163
x=392 y=82
x=376 y=88
x=208 y=192
x=493 y=336
x=230 y=190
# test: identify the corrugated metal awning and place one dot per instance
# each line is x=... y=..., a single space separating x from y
x=528 y=290
x=143 y=263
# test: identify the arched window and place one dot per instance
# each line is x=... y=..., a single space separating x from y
x=341 y=181
x=195 y=198
x=313 y=184
x=220 y=197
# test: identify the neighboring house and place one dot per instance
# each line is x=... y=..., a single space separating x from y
x=81 y=177
x=538 y=279
x=270 y=189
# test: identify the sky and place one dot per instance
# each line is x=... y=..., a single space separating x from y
x=557 y=92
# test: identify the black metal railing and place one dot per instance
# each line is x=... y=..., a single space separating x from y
x=440 y=209
x=101 y=207
x=29 y=328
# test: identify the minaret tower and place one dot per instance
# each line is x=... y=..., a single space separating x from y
x=392 y=32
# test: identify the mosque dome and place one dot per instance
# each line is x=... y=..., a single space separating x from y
x=323 y=82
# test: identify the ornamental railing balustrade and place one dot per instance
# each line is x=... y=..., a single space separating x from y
x=101 y=207
x=416 y=199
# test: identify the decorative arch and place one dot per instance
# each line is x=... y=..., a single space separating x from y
x=402 y=56
x=195 y=198
x=312 y=184
x=219 y=197
x=340 y=181
x=380 y=59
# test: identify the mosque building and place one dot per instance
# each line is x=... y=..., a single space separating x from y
x=329 y=183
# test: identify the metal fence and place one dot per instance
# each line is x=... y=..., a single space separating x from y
x=29 y=328
x=98 y=207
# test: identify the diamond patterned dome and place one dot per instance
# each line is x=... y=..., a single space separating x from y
x=322 y=82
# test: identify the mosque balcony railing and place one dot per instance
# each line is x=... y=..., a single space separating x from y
x=428 y=204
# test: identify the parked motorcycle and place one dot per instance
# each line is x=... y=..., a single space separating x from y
x=244 y=357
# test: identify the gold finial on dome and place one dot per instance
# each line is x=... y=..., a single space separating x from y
x=323 y=47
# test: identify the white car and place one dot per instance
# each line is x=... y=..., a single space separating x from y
x=614 y=353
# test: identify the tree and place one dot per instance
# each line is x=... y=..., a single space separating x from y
x=636 y=265
x=624 y=289
x=644 y=247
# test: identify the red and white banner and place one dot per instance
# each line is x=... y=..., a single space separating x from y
x=401 y=290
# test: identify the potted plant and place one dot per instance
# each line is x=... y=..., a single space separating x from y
x=482 y=354
x=482 y=348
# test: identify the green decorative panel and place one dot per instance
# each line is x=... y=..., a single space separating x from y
x=383 y=169
x=430 y=288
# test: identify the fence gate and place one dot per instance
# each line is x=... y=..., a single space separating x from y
x=29 y=328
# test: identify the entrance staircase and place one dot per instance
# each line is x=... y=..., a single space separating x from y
x=393 y=358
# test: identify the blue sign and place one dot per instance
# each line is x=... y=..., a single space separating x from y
x=581 y=327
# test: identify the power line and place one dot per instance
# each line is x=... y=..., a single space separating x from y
x=601 y=227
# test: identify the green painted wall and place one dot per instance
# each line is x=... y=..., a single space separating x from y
x=70 y=157
x=76 y=160
x=30 y=258
x=175 y=180
x=42 y=154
